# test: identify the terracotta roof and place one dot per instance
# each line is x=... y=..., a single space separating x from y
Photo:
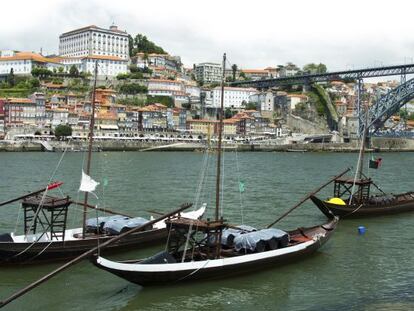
x=20 y=101
x=106 y=57
x=164 y=80
x=29 y=56
x=254 y=71
x=90 y=27
x=298 y=95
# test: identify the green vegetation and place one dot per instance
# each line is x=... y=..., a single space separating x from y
x=132 y=101
x=21 y=86
x=141 y=44
x=314 y=68
x=73 y=71
x=159 y=99
x=133 y=89
x=251 y=106
x=332 y=115
x=10 y=78
x=228 y=113
x=405 y=115
x=136 y=73
x=63 y=130
x=78 y=85
x=41 y=73
x=234 y=71
x=315 y=100
x=141 y=101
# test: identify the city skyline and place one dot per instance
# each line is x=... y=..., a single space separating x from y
x=254 y=36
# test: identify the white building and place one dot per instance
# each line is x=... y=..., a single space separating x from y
x=23 y=62
x=59 y=117
x=93 y=40
x=108 y=66
x=234 y=97
x=265 y=101
x=178 y=90
x=208 y=72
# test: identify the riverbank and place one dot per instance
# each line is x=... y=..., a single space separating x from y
x=377 y=145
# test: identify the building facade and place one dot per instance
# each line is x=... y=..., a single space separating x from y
x=208 y=72
x=234 y=97
x=93 y=40
x=22 y=63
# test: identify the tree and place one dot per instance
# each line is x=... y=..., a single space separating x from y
x=73 y=71
x=10 y=78
x=34 y=82
x=251 y=106
x=41 y=73
x=314 y=68
x=61 y=69
x=160 y=99
x=143 y=45
x=228 y=113
x=133 y=68
x=403 y=114
x=122 y=76
x=130 y=45
x=133 y=89
x=63 y=130
x=234 y=71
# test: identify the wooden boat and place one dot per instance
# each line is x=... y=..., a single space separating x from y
x=352 y=197
x=59 y=243
x=362 y=203
x=46 y=237
x=168 y=268
x=200 y=249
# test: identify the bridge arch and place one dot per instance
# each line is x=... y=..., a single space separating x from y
x=388 y=104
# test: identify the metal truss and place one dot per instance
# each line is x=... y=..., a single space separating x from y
x=329 y=76
x=387 y=105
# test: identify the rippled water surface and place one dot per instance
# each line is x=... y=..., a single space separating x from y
x=351 y=272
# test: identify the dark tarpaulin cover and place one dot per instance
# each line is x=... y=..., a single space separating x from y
x=92 y=224
x=228 y=235
x=117 y=226
x=261 y=240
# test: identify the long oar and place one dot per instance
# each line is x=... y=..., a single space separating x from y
x=49 y=187
x=307 y=197
x=86 y=254
x=102 y=209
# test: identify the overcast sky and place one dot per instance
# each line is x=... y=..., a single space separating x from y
x=255 y=34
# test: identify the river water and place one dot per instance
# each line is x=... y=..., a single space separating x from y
x=351 y=272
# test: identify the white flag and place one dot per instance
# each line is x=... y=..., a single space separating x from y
x=87 y=183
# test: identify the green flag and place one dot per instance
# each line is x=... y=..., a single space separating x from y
x=241 y=186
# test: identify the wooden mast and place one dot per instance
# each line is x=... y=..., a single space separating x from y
x=362 y=150
x=220 y=130
x=220 y=134
x=88 y=164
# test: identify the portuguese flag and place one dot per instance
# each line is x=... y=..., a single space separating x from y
x=375 y=163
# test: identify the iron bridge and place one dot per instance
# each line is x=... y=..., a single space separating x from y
x=356 y=74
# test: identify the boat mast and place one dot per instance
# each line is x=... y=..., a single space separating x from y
x=220 y=130
x=88 y=164
x=362 y=150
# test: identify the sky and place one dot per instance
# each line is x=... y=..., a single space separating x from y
x=254 y=34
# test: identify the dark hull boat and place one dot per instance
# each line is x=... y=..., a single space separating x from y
x=13 y=251
x=166 y=268
x=47 y=238
x=374 y=206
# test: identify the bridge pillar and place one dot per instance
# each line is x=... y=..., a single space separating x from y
x=403 y=79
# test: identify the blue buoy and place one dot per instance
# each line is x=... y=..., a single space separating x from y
x=361 y=230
